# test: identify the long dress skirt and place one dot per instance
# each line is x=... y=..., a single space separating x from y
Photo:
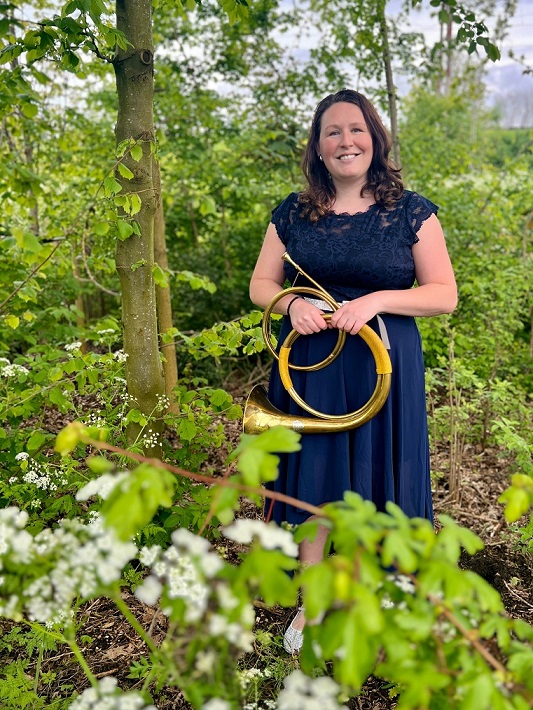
x=386 y=459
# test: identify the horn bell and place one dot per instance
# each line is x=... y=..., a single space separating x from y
x=260 y=414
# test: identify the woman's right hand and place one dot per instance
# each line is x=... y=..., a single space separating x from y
x=306 y=318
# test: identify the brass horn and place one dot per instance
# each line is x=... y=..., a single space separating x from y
x=260 y=414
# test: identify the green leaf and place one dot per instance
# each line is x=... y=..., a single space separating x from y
x=518 y=503
x=234 y=412
x=101 y=228
x=266 y=570
x=226 y=501
x=36 y=440
x=133 y=503
x=111 y=186
x=136 y=204
x=279 y=439
x=27 y=241
x=12 y=321
x=493 y=52
x=396 y=552
x=125 y=171
x=57 y=397
x=187 y=430
x=99 y=465
x=318 y=581
x=136 y=152
x=220 y=398
x=160 y=277
x=69 y=437
x=55 y=373
x=29 y=110
x=125 y=230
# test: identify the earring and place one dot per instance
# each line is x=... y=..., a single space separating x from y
x=321 y=158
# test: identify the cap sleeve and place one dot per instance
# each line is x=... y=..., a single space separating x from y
x=284 y=215
x=418 y=210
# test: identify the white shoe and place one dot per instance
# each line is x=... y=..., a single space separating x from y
x=293 y=638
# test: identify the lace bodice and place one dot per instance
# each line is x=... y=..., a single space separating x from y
x=352 y=255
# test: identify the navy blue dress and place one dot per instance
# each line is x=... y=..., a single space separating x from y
x=386 y=459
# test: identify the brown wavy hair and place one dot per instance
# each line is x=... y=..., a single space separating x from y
x=383 y=179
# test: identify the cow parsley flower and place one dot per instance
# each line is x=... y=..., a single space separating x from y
x=85 y=558
x=13 y=370
x=403 y=582
x=14 y=540
x=151 y=439
x=234 y=632
x=108 y=697
x=70 y=347
x=183 y=570
x=216 y=704
x=270 y=536
x=301 y=691
x=102 y=486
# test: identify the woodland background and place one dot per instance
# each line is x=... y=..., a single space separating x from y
x=140 y=163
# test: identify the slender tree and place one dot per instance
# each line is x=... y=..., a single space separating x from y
x=134 y=71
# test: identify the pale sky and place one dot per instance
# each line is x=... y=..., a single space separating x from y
x=505 y=80
x=505 y=75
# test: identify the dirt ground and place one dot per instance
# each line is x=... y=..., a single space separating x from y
x=506 y=566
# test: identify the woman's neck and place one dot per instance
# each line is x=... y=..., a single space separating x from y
x=348 y=199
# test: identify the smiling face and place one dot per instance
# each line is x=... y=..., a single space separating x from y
x=345 y=144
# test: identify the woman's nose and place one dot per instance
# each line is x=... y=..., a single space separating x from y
x=346 y=138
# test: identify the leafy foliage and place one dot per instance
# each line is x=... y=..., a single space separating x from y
x=230 y=130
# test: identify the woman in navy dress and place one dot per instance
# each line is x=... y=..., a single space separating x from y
x=367 y=241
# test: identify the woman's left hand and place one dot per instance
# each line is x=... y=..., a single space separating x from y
x=353 y=315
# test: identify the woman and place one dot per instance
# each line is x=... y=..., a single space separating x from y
x=366 y=240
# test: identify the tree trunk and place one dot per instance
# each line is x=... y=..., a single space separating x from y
x=134 y=72
x=391 y=90
x=164 y=304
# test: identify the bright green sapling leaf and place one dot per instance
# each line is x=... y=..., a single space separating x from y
x=133 y=503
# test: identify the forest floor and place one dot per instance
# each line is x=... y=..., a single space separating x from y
x=503 y=563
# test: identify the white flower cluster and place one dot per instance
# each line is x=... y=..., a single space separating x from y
x=13 y=538
x=13 y=370
x=251 y=675
x=232 y=631
x=76 y=560
x=183 y=571
x=46 y=478
x=71 y=347
x=403 y=582
x=216 y=704
x=15 y=545
x=102 y=486
x=163 y=402
x=267 y=705
x=95 y=419
x=488 y=182
x=106 y=331
x=105 y=697
x=120 y=356
x=22 y=456
x=269 y=535
x=151 y=438
x=300 y=691
x=183 y=568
